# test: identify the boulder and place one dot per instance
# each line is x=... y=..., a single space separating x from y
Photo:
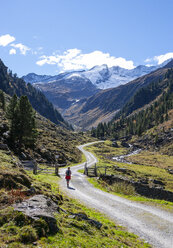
x=124 y=144
x=114 y=144
x=40 y=206
x=4 y=147
x=82 y=216
x=6 y=135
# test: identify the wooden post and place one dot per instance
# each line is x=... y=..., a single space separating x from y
x=35 y=168
x=85 y=169
x=105 y=170
x=95 y=170
x=84 y=172
x=56 y=169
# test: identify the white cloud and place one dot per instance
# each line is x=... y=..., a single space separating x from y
x=12 y=51
x=159 y=59
x=23 y=49
x=74 y=59
x=6 y=39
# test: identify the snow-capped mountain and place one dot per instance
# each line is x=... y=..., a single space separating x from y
x=103 y=77
x=90 y=96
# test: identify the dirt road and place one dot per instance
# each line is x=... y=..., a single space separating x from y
x=150 y=223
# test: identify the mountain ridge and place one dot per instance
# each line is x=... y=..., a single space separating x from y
x=102 y=76
x=11 y=85
x=109 y=101
x=84 y=110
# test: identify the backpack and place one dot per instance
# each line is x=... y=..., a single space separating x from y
x=68 y=172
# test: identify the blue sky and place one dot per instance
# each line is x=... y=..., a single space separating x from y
x=49 y=36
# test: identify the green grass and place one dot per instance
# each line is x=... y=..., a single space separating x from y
x=152 y=159
x=129 y=193
x=17 y=231
x=104 y=152
x=78 y=233
x=6 y=160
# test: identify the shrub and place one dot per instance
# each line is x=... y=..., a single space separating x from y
x=41 y=227
x=28 y=234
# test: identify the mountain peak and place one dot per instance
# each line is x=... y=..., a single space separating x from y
x=169 y=64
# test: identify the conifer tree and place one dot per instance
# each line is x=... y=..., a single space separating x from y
x=22 y=120
x=11 y=114
x=26 y=117
x=2 y=100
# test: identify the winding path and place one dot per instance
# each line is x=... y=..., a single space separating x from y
x=150 y=223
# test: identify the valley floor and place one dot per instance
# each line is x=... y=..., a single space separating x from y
x=150 y=223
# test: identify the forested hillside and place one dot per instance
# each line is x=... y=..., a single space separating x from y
x=11 y=85
x=51 y=141
x=141 y=112
x=102 y=106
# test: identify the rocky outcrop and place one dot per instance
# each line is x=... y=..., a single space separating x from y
x=154 y=189
x=13 y=180
x=82 y=216
x=155 y=142
x=4 y=147
x=40 y=206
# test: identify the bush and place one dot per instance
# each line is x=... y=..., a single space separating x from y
x=28 y=234
x=20 y=219
x=12 y=229
x=41 y=227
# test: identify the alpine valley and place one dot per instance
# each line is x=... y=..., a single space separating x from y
x=134 y=149
x=86 y=98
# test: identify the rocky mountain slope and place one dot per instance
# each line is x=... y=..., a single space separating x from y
x=11 y=85
x=147 y=118
x=102 y=106
x=64 y=93
x=80 y=97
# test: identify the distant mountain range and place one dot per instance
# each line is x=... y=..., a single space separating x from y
x=85 y=98
x=103 y=77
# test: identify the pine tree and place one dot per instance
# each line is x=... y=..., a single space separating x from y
x=2 y=100
x=11 y=114
x=26 y=116
x=22 y=121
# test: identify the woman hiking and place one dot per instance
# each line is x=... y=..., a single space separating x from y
x=68 y=176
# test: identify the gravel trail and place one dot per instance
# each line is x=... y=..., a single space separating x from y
x=150 y=223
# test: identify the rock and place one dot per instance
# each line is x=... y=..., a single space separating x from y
x=123 y=170
x=170 y=171
x=114 y=144
x=6 y=135
x=40 y=206
x=3 y=127
x=82 y=216
x=4 y=147
x=95 y=223
x=158 y=182
x=31 y=191
x=23 y=156
x=124 y=144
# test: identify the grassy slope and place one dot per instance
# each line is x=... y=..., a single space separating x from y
x=17 y=231
x=52 y=140
x=76 y=233
x=150 y=165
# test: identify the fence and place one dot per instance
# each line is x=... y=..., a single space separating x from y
x=94 y=171
x=32 y=165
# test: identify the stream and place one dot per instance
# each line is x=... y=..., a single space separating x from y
x=122 y=159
